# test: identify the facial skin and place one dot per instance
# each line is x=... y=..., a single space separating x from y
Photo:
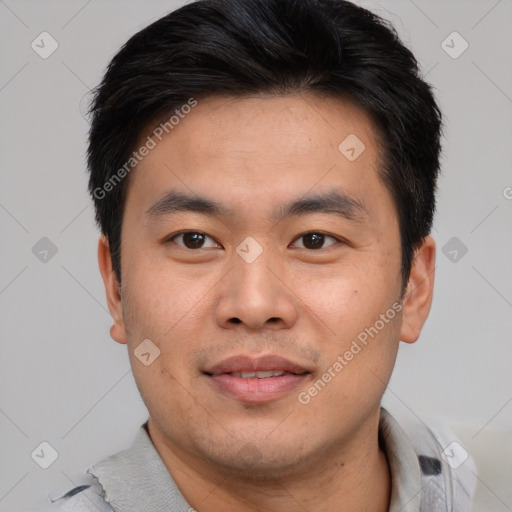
x=200 y=306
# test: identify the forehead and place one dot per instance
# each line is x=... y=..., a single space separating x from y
x=262 y=150
x=279 y=126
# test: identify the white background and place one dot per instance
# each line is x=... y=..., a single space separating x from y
x=64 y=381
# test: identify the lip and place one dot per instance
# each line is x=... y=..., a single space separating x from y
x=244 y=363
x=257 y=390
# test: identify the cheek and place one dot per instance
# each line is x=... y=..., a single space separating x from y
x=155 y=311
x=164 y=392
x=358 y=304
x=358 y=363
x=348 y=297
x=161 y=298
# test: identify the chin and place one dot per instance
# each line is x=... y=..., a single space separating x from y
x=259 y=457
x=261 y=464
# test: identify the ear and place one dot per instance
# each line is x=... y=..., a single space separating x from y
x=113 y=291
x=420 y=289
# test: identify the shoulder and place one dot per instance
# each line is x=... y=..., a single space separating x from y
x=447 y=473
x=83 y=498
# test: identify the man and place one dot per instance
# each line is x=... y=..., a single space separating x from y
x=264 y=176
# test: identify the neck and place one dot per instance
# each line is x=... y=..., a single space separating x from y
x=345 y=478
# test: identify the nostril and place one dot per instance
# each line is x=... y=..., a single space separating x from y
x=235 y=320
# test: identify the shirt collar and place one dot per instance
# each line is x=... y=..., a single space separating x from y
x=403 y=462
x=137 y=479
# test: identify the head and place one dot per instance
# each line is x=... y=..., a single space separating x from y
x=264 y=175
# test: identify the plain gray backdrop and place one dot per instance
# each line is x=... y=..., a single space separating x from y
x=63 y=380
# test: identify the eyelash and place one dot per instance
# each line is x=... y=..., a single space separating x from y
x=326 y=235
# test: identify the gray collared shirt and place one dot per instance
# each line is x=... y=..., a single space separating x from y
x=136 y=479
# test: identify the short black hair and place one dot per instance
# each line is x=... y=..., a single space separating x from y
x=244 y=47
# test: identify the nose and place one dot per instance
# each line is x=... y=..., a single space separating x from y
x=257 y=294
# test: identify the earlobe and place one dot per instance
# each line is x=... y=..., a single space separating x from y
x=418 y=297
x=112 y=290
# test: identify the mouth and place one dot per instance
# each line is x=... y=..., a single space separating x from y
x=258 y=380
x=268 y=374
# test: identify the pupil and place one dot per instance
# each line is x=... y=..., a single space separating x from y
x=193 y=240
x=316 y=239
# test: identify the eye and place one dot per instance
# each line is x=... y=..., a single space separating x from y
x=192 y=240
x=315 y=240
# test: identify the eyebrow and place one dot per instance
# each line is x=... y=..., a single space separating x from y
x=333 y=202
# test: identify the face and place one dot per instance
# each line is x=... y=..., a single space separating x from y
x=271 y=297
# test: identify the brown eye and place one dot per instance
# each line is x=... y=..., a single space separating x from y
x=193 y=240
x=315 y=240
